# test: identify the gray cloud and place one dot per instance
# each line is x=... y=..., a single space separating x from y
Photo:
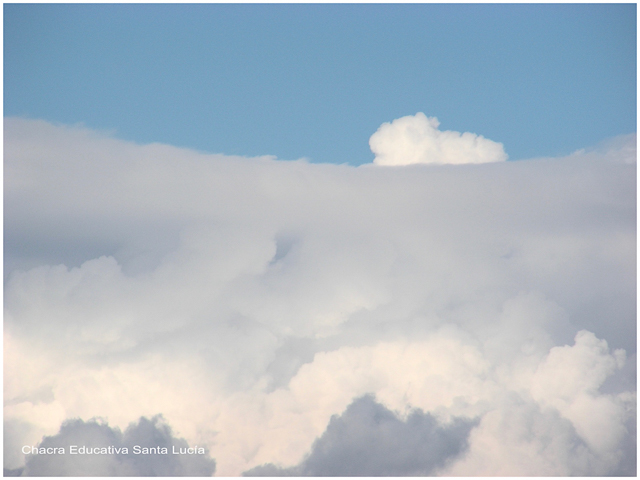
x=370 y=440
x=146 y=433
x=249 y=300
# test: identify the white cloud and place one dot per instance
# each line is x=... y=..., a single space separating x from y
x=416 y=139
x=249 y=300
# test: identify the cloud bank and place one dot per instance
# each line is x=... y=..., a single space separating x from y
x=416 y=139
x=252 y=301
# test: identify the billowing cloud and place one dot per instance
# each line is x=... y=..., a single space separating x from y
x=416 y=139
x=370 y=440
x=250 y=300
x=146 y=449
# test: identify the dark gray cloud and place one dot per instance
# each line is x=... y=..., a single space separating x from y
x=370 y=440
x=153 y=433
x=12 y=472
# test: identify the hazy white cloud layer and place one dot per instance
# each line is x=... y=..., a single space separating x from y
x=416 y=139
x=282 y=313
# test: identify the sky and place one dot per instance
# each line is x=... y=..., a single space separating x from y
x=315 y=81
x=282 y=241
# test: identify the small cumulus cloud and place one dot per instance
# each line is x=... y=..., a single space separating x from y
x=417 y=139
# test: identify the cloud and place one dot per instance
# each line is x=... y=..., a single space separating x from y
x=370 y=440
x=125 y=455
x=250 y=300
x=416 y=139
x=552 y=422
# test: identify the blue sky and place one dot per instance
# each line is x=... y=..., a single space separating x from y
x=316 y=81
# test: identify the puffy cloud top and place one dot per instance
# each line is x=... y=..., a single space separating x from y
x=416 y=139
